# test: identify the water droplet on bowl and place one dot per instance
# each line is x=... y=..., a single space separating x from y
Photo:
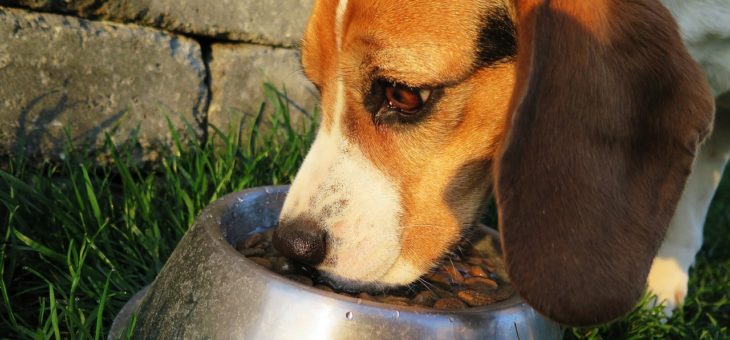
x=451 y=319
x=348 y=315
x=397 y=314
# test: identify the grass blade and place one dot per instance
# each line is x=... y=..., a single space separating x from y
x=54 y=313
x=91 y=196
x=36 y=246
x=100 y=311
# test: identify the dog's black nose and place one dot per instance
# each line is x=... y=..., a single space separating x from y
x=301 y=240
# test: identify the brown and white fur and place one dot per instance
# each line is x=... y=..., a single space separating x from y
x=582 y=117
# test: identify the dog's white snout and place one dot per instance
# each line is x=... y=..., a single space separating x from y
x=355 y=204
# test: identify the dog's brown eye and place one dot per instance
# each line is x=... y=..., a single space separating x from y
x=405 y=99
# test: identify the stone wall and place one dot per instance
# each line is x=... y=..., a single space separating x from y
x=81 y=69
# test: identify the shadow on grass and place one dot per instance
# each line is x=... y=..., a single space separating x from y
x=79 y=239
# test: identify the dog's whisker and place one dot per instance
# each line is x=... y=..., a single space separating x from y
x=426 y=285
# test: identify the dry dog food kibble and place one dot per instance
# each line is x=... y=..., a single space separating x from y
x=471 y=277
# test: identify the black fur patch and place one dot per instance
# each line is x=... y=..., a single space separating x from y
x=497 y=41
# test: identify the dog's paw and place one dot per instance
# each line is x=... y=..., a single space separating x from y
x=668 y=281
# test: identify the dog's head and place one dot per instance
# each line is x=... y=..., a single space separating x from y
x=583 y=116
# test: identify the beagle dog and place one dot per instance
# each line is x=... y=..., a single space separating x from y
x=582 y=118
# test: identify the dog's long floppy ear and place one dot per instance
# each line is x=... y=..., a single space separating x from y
x=606 y=117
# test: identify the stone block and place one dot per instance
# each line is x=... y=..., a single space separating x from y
x=62 y=74
x=278 y=23
x=238 y=74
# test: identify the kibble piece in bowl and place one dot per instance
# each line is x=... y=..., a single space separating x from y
x=472 y=276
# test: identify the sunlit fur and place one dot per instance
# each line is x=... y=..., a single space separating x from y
x=394 y=198
x=404 y=193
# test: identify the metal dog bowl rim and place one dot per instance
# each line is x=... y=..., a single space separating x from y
x=512 y=301
x=223 y=212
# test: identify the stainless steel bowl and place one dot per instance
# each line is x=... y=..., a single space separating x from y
x=208 y=290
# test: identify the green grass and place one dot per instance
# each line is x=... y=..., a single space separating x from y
x=78 y=239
